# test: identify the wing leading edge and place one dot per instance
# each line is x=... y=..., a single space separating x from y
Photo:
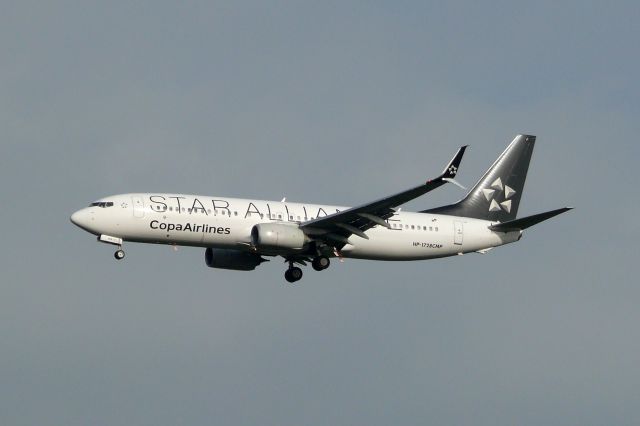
x=336 y=228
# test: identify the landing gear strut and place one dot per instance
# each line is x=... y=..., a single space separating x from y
x=119 y=254
x=320 y=263
x=293 y=274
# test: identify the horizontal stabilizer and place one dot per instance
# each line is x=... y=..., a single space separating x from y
x=525 y=222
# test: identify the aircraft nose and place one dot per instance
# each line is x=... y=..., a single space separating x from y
x=80 y=218
x=75 y=218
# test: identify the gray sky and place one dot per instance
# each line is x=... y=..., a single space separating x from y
x=329 y=102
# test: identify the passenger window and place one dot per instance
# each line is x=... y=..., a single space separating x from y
x=412 y=227
x=235 y=213
x=436 y=229
x=431 y=228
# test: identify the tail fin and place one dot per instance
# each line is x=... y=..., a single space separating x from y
x=496 y=196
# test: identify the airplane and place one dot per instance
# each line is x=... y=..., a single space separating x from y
x=238 y=234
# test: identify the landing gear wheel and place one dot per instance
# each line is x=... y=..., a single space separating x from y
x=293 y=274
x=320 y=263
x=119 y=254
x=287 y=276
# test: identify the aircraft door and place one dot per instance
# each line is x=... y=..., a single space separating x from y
x=458 y=232
x=138 y=206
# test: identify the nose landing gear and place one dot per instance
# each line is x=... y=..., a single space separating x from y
x=116 y=241
x=119 y=254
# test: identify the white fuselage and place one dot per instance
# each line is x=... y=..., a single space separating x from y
x=220 y=222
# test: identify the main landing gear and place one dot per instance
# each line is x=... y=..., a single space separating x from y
x=320 y=263
x=119 y=254
x=294 y=273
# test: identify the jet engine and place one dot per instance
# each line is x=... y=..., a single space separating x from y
x=278 y=237
x=232 y=259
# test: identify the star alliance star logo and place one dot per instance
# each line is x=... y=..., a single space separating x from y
x=453 y=170
x=491 y=194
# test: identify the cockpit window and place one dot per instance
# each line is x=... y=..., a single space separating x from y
x=103 y=204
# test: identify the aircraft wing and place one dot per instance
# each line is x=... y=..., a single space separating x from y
x=336 y=228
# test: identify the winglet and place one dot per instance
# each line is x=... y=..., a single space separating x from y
x=452 y=168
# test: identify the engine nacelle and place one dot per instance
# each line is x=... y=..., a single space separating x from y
x=232 y=259
x=278 y=237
